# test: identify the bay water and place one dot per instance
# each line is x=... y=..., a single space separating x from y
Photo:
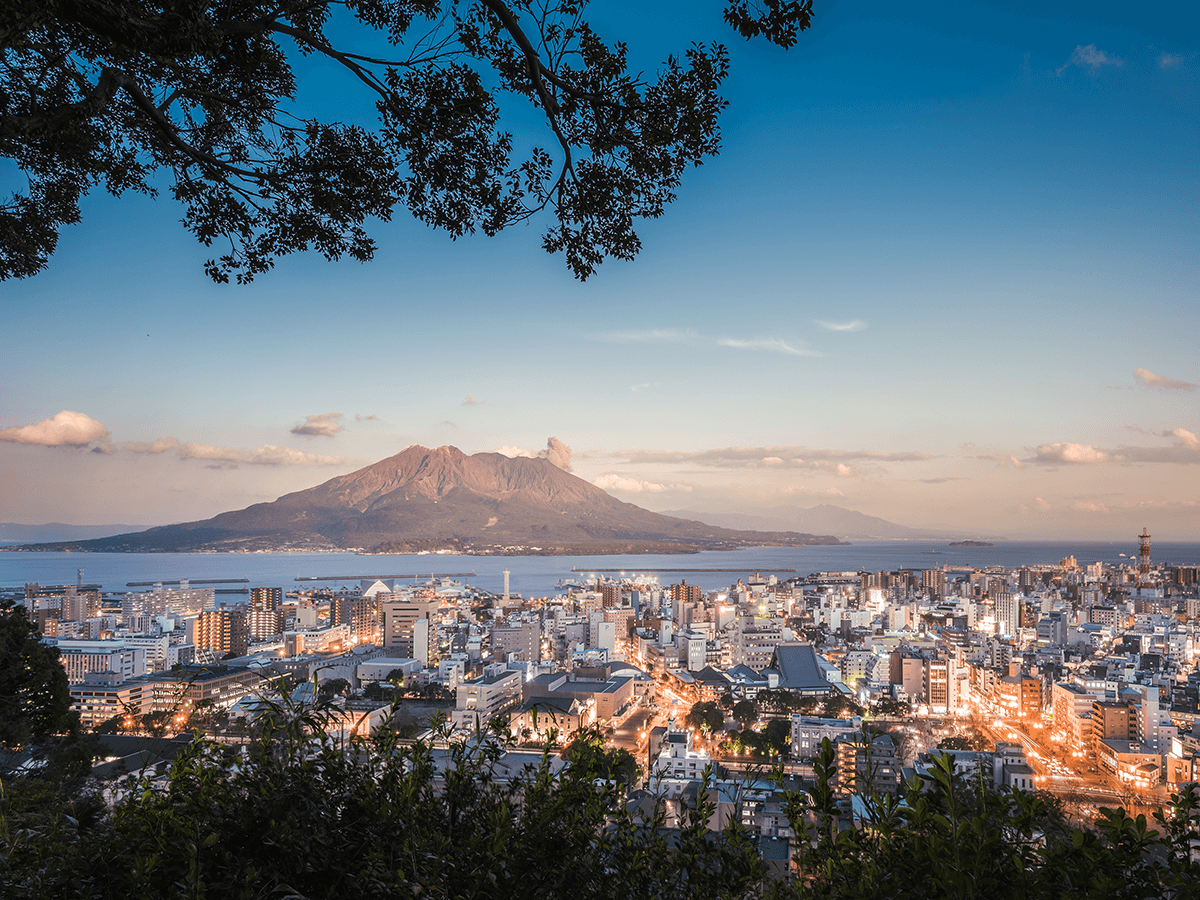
x=538 y=576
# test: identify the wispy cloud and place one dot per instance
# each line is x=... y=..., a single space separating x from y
x=835 y=461
x=1162 y=504
x=639 y=387
x=1149 y=379
x=1170 y=61
x=1090 y=506
x=1091 y=58
x=63 y=429
x=556 y=451
x=162 y=445
x=231 y=457
x=321 y=425
x=361 y=418
x=1004 y=461
x=1185 y=450
x=852 y=325
x=611 y=481
x=802 y=491
x=688 y=335
x=642 y=335
x=266 y=455
x=470 y=400
x=771 y=345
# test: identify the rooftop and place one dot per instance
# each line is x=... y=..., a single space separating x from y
x=799 y=668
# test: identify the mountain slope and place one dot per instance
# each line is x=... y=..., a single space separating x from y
x=825 y=518
x=17 y=533
x=422 y=499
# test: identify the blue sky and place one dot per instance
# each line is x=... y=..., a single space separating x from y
x=918 y=282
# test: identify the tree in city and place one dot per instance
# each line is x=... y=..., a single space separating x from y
x=776 y=736
x=706 y=716
x=332 y=687
x=955 y=742
x=888 y=706
x=201 y=714
x=971 y=739
x=783 y=701
x=590 y=759
x=839 y=707
x=744 y=712
x=373 y=690
x=200 y=98
x=776 y=701
x=158 y=723
x=433 y=692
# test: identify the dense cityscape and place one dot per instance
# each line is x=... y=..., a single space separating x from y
x=1075 y=679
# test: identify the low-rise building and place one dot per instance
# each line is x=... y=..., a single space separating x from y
x=808 y=732
x=1019 y=697
x=540 y=718
x=867 y=762
x=103 y=695
x=482 y=699
x=679 y=758
x=220 y=686
x=1129 y=761
x=318 y=640
x=610 y=695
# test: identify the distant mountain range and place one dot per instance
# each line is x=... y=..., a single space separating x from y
x=422 y=499
x=15 y=533
x=822 y=519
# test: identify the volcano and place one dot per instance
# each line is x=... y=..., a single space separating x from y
x=442 y=499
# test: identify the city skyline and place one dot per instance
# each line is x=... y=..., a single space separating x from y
x=943 y=272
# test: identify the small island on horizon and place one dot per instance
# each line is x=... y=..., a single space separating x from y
x=971 y=544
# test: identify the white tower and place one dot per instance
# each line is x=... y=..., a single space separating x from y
x=506 y=585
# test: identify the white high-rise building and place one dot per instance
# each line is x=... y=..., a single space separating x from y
x=183 y=601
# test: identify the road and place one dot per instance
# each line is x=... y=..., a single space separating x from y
x=1079 y=788
x=628 y=734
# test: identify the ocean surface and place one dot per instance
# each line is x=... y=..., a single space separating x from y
x=537 y=576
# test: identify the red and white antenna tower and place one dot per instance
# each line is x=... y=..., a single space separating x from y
x=1144 y=559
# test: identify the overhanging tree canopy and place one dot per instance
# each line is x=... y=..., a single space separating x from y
x=114 y=92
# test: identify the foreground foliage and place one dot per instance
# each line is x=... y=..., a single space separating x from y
x=35 y=699
x=955 y=837
x=293 y=815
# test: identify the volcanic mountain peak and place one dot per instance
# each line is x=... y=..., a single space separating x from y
x=421 y=472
